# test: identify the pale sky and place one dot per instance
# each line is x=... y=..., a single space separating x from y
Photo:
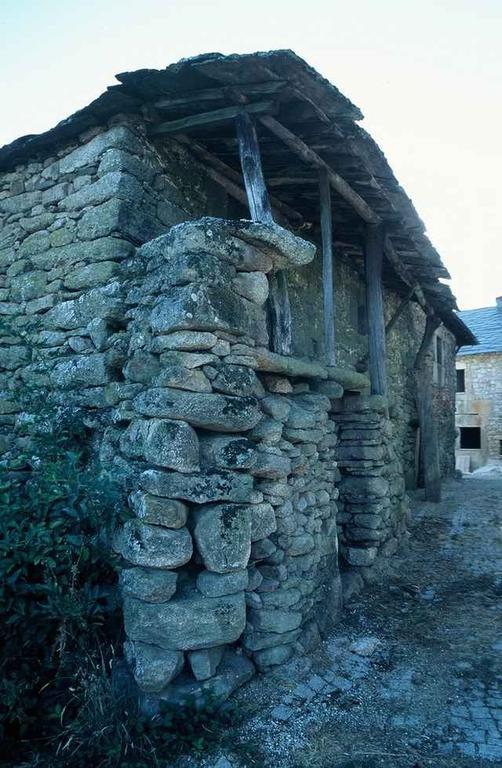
x=427 y=75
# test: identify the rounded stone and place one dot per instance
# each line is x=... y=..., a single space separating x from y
x=223 y=536
x=153 y=546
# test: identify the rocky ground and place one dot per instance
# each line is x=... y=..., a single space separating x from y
x=412 y=675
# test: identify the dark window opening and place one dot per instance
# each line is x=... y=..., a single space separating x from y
x=460 y=380
x=500 y=447
x=470 y=437
x=439 y=351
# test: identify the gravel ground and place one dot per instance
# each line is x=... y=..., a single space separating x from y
x=412 y=675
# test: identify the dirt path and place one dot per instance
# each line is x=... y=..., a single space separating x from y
x=412 y=676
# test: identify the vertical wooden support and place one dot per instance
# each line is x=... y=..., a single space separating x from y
x=327 y=267
x=429 y=446
x=279 y=309
x=374 y=306
x=249 y=153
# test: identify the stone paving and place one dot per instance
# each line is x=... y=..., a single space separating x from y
x=412 y=676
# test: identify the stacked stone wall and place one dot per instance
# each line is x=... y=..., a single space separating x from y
x=373 y=504
x=228 y=452
x=70 y=225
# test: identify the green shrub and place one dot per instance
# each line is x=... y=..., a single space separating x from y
x=62 y=627
x=57 y=575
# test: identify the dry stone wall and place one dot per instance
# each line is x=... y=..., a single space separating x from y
x=229 y=453
x=226 y=452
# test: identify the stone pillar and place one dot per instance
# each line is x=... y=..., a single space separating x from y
x=231 y=551
x=374 y=505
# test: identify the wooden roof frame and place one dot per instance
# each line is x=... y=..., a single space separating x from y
x=299 y=109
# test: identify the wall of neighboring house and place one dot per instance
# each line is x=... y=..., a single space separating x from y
x=479 y=410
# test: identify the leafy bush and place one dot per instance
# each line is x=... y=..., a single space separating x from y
x=56 y=575
x=59 y=703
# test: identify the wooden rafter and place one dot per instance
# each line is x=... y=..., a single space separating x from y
x=339 y=184
x=213 y=117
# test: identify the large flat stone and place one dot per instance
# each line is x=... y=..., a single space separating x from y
x=188 y=622
x=222 y=533
x=152 y=545
x=207 y=411
x=201 y=488
x=201 y=308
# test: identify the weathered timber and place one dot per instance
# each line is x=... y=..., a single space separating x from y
x=249 y=153
x=374 y=305
x=399 y=311
x=279 y=313
x=215 y=94
x=299 y=147
x=279 y=308
x=429 y=447
x=232 y=182
x=206 y=118
x=327 y=268
x=402 y=271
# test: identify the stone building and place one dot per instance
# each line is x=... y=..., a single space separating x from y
x=479 y=391
x=217 y=265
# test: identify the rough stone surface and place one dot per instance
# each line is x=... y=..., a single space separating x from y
x=215 y=411
x=201 y=488
x=152 y=586
x=154 y=668
x=152 y=545
x=188 y=622
x=222 y=533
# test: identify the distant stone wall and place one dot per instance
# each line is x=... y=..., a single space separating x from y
x=481 y=405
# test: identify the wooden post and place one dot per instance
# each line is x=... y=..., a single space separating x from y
x=249 y=153
x=327 y=267
x=374 y=306
x=429 y=447
x=279 y=309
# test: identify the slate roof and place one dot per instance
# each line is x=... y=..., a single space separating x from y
x=486 y=325
x=309 y=107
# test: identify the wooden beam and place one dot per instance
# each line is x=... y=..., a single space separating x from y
x=254 y=181
x=213 y=94
x=207 y=118
x=327 y=267
x=308 y=155
x=279 y=313
x=403 y=272
x=279 y=309
x=429 y=446
x=399 y=311
x=374 y=307
x=232 y=182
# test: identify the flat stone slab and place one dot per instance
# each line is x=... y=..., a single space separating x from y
x=188 y=622
x=201 y=488
x=217 y=412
